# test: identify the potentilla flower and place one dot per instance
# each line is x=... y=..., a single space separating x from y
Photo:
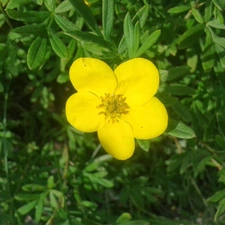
x=119 y=105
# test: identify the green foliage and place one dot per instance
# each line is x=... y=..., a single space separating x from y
x=53 y=174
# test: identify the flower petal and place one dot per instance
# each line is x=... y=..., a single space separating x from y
x=138 y=81
x=94 y=75
x=117 y=139
x=149 y=120
x=82 y=112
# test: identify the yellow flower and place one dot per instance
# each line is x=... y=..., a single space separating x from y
x=119 y=105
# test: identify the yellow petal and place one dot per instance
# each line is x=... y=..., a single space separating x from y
x=149 y=120
x=117 y=139
x=94 y=75
x=82 y=112
x=138 y=81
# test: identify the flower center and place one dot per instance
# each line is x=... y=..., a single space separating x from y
x=113 y=106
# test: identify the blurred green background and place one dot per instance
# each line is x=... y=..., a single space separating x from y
x=51 y=173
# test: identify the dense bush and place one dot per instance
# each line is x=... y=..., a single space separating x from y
x=53 y=174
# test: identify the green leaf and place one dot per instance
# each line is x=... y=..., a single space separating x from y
x=221 y=53
x=220 y=141
x=50 y=5
x=148 y=42
x=107 y=17
x=142 y=15
x=125 y=217
x=30 y=29
x=177 y=72
x=220 y=210
x=39 y=210
x=62 y=78
x=179 y=90
x=182 y=111
x=53 y=201
x=86 y=13
x=179 y=9
x=208 y=56
x=190 y=36
x=137 y=32
x=179 y=129
x=36 y=53
x=87 y=37
x=216 y=24
x=144 y=144
x=197 y=15
x=30 y=16
x=57 y=45
x=129 y=34
x=26 y=197
x=63 y=7
x=23 y=210
x=217 y=40
x=63 y=23
x=16 y=3
x=167 y=100
x=33 y=187
x=219 y=4
x=163 y=75
x=217 y=196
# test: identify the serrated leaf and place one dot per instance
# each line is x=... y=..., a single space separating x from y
x=57 y=45
x=190 y=36
x=107 y=17
x=36 y=53
x=197 y=15
x=23 y=210
x=179 y=129
x=148 y=43
x=179 y=9
x=144 y=144
x=86 y=13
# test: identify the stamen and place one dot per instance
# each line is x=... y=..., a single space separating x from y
x=113 y=107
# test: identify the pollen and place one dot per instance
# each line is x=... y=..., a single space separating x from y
x=113 y=107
